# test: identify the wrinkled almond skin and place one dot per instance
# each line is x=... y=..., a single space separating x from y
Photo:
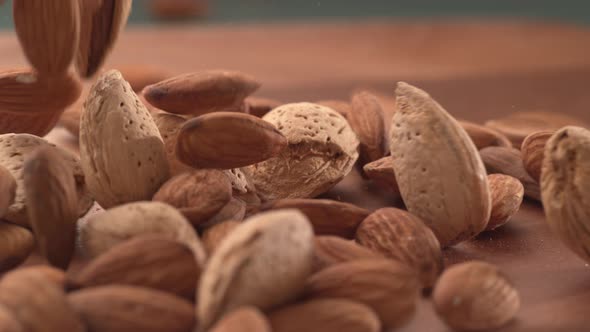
x=258 y=106
x=475 y=296
x=483 y=136
x=509 y=161
x=366 y=119
x=214 y=235
x=121 y=150
x=198 y=195
x=237 y=273
x=327 y=217
x=399 y=235
x=169 y=127
x=440 y=175
x=246 y=319
x=533 y=152
x=16 y=244
x=202 y=92
x=323 y=315
x=7 y=190
x=332 y=250
x=360 y=281
x=381 y=173
x=127 y=308
x=507 y=194
x=148 y=261
x=564 y=187
x=38 y=124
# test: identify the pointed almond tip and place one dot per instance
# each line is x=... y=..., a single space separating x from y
x=407 y=90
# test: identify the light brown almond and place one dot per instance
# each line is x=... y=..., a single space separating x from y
x=325 y=315
x=441 y=177
x=8 y=321
x=214 y=235
x=327 y=217
x=533 y=151
x=366 y=119
x=507 y=193
x=381 y=173
x=399 y=235
x=169 y=127
x=483 y=136
x=332 y=250
x=246 y=319
x=340 y=106
x=227 y=140
x=128 y=308
x=48 y=32
x=202 y=92
x=7 y=190
x=53 y=274
x=258 y=106
x=121 y=150
x=16 y=244
x=475 y=296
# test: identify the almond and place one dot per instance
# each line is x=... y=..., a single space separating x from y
x=14 y=148
x=532 y=151
x=149 y=261
x=38 y=124
x=399 y=235
x=258 y=106
x=178 y=9
x=169 y=127
x=101 y=23
x=50 y=188
x=325 y=315
x=140 y=76
x=340 y=106
x=199 y=195
x=111 y=227
x=238 y=274
x=483 y=136
x=327 y=217
x=389 y=288
x=214 y=235
x=202 y=92
x=475 y=296
x=70 y=119
x=127 y=308
x=121 y=150
x=381 y=173
x=507 y=193
x=366 y=119
x=8 y=322
x=441 y=177
x=564 y=184
x=508 y=161
x=7 y=190
x=235 y=209
x=518 y=125
x=246 y=319
x=48 y=32
x=17 y=243
x=333 y=250
x=55 y=275
x=37 y=303
x=243 y=187
x=322 y=150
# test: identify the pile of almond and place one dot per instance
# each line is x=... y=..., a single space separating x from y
x=206 y=213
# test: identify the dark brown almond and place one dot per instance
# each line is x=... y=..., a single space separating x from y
x=199 y=195
x=381 y=173
x=332 y=250
x=507 y=193
x=149 y=261
x=366 y=120
x=140 y=76
x=202 y=92
x=16 y=244
x=245 y=319
x=533 y=151
x=258 y=106
x=327 y=217
x=48 y=32
x=227 y=140
x=213 y=235
x=483 y=136
x=52 y=204
x=508 y=161
x=7 y=190
x=340 y=106
x=169 y=127
x=399 y=235
x=128 y=308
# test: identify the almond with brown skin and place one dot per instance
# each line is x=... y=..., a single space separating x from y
x=258 y=106
x=366 y=119
x=199 y=194
x=235 y=209
x=483 y=136
x=169 y=127
x=533 y=151
x=340 y=106
x=16 y=244
x=507 y=193
x=48 y=32
x=202 y=92
x=149 y=261
x=7 y=190
x=227 y=140
x=128 y=308
x=327 y=217
x=509 y=161
x=332 y=250
x=246 y=319
x=399 y=235
x=381 y=173
x=38 y=124
x=441 y=177
x=325 y=315
x=140 y=76
x=214 y=235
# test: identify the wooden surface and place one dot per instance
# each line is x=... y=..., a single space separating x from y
x=477 y=70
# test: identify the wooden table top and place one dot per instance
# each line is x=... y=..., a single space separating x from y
x=477 y=70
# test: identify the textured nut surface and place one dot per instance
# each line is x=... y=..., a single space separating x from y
x=7 y=190
x=399 y=235
x=475 y=296
x=389 y=288
x=322 y=150
x=533 y=152
x=238 y=273
x=507 y=193
x=128 y=308
x=366 y=119
x=16 y=244
x=121 y=150
x=324 y=315
x=242 y=185
x=565 y=191
x=332 y=250
x=483 y=136
x=14 y=148
x=381 y=172
x=38 y=124
x=214 y=235
x=169 y=126
x=227 y=140
x=440 y=175
x=245 y=319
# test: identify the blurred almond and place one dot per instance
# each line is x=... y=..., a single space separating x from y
x=169 y=126
x=140 y=76
x=246 y=319
x=331 y=250
x=8 y=321
x=340 y=106
x=235 y=209
x=7 y=190
x=178 y=9
x=366 y=119
x=483 y=136
x=214 y=235
x=202 y=92
x=38 y=124
x=327 y=217
x=507 y=193
x=533 y=151
x=16 y=244
x=381 y=173
x=258 y=106
x=50 y=273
